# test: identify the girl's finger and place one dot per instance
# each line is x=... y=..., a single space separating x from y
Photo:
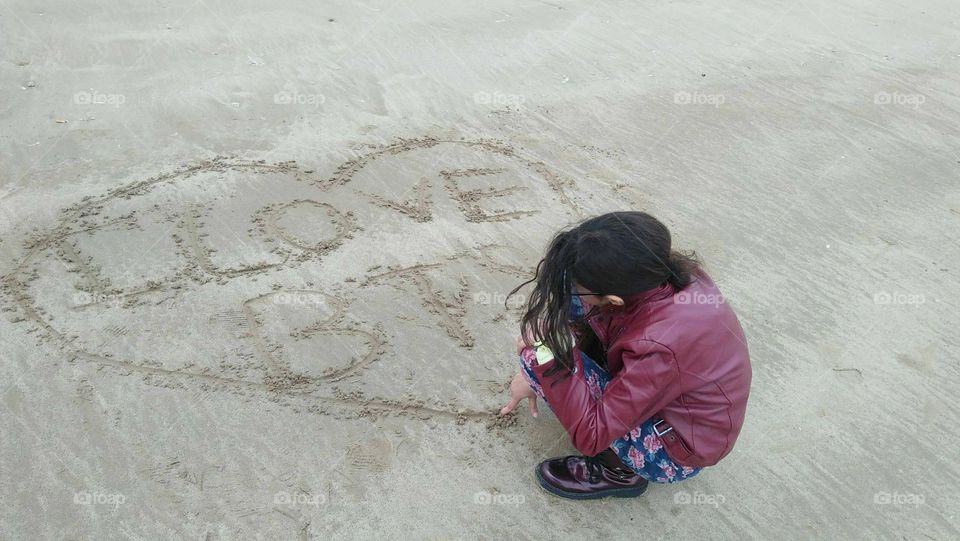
x=533 y=406
x=510 y=406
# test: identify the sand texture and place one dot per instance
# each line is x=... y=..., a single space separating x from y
x=255 y=259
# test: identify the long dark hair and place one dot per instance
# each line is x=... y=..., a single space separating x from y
x=619 y=253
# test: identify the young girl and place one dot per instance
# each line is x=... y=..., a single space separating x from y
x=634 y=349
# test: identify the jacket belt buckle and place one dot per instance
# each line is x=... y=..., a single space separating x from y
x=657 y=431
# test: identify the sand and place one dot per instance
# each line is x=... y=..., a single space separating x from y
x=255 y=260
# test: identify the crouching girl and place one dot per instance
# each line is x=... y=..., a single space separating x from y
x=634 y=349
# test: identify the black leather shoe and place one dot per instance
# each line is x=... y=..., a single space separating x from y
x=590 y=477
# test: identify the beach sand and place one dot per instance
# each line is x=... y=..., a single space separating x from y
x=255 y=259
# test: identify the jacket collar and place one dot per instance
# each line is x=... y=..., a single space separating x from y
x=634 y=302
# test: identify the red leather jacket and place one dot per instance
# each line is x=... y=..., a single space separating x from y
x=677 y=355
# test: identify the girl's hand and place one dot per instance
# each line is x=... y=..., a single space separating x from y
x=520 y=389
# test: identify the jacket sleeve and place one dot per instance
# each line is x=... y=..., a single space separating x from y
x=643 y=387
x=528 y=360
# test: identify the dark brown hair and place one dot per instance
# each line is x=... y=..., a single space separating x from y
x=619 y=253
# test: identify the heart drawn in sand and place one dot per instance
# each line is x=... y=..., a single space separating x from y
x=261 y=277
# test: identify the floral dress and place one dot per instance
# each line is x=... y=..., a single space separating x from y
x=641 y=449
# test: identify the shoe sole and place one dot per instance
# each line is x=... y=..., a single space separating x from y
x=614 y=493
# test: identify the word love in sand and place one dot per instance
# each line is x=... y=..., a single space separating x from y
x=203 y=276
